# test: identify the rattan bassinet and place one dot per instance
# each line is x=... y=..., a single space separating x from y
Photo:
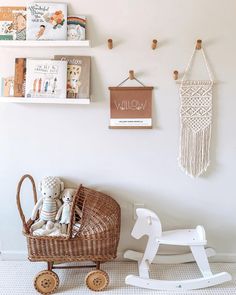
x=95 y=239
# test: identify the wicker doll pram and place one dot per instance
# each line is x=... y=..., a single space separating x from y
x=93 y=237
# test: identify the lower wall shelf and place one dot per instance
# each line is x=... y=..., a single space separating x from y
x=45 y=100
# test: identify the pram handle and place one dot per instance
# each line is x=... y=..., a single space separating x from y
x=18 y=200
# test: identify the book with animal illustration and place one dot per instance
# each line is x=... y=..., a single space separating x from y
x=46 y=78
x=12 y=23
x=46 y=21
x=78 y=75
x=20 y=77
x=7 y=87
x=76 y=27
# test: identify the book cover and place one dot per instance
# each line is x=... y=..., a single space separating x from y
x=46 y=21
x=8 y=86
x=46 y=78
x=78 y=75
x=76 y=28
x=12 y=23
x=20 y=77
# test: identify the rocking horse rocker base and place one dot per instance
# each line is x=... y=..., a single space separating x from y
x=178 y=285
x=149 y=224
x=168 y=258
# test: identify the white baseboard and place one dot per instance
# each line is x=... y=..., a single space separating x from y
x=22 y=255
x=224 y=257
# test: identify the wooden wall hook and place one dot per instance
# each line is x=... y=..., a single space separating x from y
x=110 y=43
x=154 y=44
x=131 y=75
x=199 y=44
x=176 y=75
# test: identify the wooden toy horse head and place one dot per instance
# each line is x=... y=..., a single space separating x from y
x=147 y=223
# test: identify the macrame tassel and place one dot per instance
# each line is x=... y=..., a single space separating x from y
x=195 y=150
x=196 y=121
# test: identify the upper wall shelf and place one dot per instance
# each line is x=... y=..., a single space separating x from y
x=44 y=100
x=46 y=43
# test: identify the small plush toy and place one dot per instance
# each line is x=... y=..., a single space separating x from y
x=64 y=213
x=50 y=188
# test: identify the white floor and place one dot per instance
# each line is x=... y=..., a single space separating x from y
x=16 y=278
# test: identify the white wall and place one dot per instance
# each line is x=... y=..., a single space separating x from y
x=74 y=142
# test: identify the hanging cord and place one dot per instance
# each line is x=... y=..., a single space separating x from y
x=207 y=67
x=128 y=79
x=190 y=64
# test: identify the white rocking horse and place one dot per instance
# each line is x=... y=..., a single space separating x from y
x=149 y=224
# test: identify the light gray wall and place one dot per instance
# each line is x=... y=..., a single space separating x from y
x=74 y=142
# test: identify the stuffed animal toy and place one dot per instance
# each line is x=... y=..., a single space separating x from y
x=64 y=213
x=50 y=188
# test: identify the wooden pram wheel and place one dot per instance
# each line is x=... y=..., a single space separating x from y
x=46 y=282
x=97 y=280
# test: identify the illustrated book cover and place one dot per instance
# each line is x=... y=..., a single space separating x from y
x=12 y=23
x=7 y=86
x=78 y=75
x=46 y=21
x=46 y=78
x=20 y=77
x=76 y=28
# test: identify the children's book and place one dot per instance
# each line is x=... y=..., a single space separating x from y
x=76 y=27
x=46 y=78
x=78 y=75
x=12 y=23
x=20 y=77
x=46 y=21
x=8 y=86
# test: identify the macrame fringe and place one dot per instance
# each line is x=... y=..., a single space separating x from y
x=195 y=150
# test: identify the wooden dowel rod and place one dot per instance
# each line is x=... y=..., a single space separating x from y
x=74 y=266
x=179 y=82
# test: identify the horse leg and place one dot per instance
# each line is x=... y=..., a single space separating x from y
x=199 y=253
x=148 y=256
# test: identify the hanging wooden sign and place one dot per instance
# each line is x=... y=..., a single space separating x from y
x=131 y=107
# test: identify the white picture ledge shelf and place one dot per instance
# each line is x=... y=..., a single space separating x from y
x=44 y=100
x=46 y=43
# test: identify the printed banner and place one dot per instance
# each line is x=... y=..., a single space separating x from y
x=131 y=107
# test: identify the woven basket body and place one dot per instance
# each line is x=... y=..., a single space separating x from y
x=95 y=239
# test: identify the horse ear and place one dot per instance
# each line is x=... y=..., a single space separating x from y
x=139 y=211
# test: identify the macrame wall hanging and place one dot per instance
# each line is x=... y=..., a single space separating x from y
x=195 y=121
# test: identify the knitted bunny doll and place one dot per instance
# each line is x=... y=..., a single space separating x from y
x=64 y=213
x=51 y=188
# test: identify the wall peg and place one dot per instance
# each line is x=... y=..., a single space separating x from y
x=199 y=44
x=176 y=75
x=154 y=44
x=110 y=43
x=131 y=75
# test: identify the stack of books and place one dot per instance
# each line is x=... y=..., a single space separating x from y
x=62 y=77
x=41 y=21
